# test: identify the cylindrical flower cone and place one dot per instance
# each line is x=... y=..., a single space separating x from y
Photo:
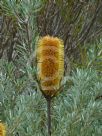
x=50 y=64
x=50 y=69
x=2 y=129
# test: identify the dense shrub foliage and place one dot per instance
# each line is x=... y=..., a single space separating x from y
x=77 y=110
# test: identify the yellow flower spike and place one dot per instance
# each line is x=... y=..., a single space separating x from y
x=2 y=129
x=50 y=64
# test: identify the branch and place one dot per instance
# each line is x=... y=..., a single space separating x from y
x=90 y=25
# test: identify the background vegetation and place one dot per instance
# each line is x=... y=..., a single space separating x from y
x=77 y=111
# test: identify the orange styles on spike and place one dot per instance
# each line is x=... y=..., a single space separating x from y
x=2 y=130
x=50 y=64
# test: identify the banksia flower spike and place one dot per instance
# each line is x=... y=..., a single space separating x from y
x=50 y=64
x=2 y=130
x=50 y=69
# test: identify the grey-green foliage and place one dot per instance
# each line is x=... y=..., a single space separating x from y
x=78 y=112
x=74 y=111
x=18 y=26
x=90 y=56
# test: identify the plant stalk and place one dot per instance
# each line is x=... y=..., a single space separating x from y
x=49 y=115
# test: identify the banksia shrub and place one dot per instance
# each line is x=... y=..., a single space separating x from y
x=2 y=130
x=50 y=64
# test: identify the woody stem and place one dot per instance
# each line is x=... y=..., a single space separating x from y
x=49 y=114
